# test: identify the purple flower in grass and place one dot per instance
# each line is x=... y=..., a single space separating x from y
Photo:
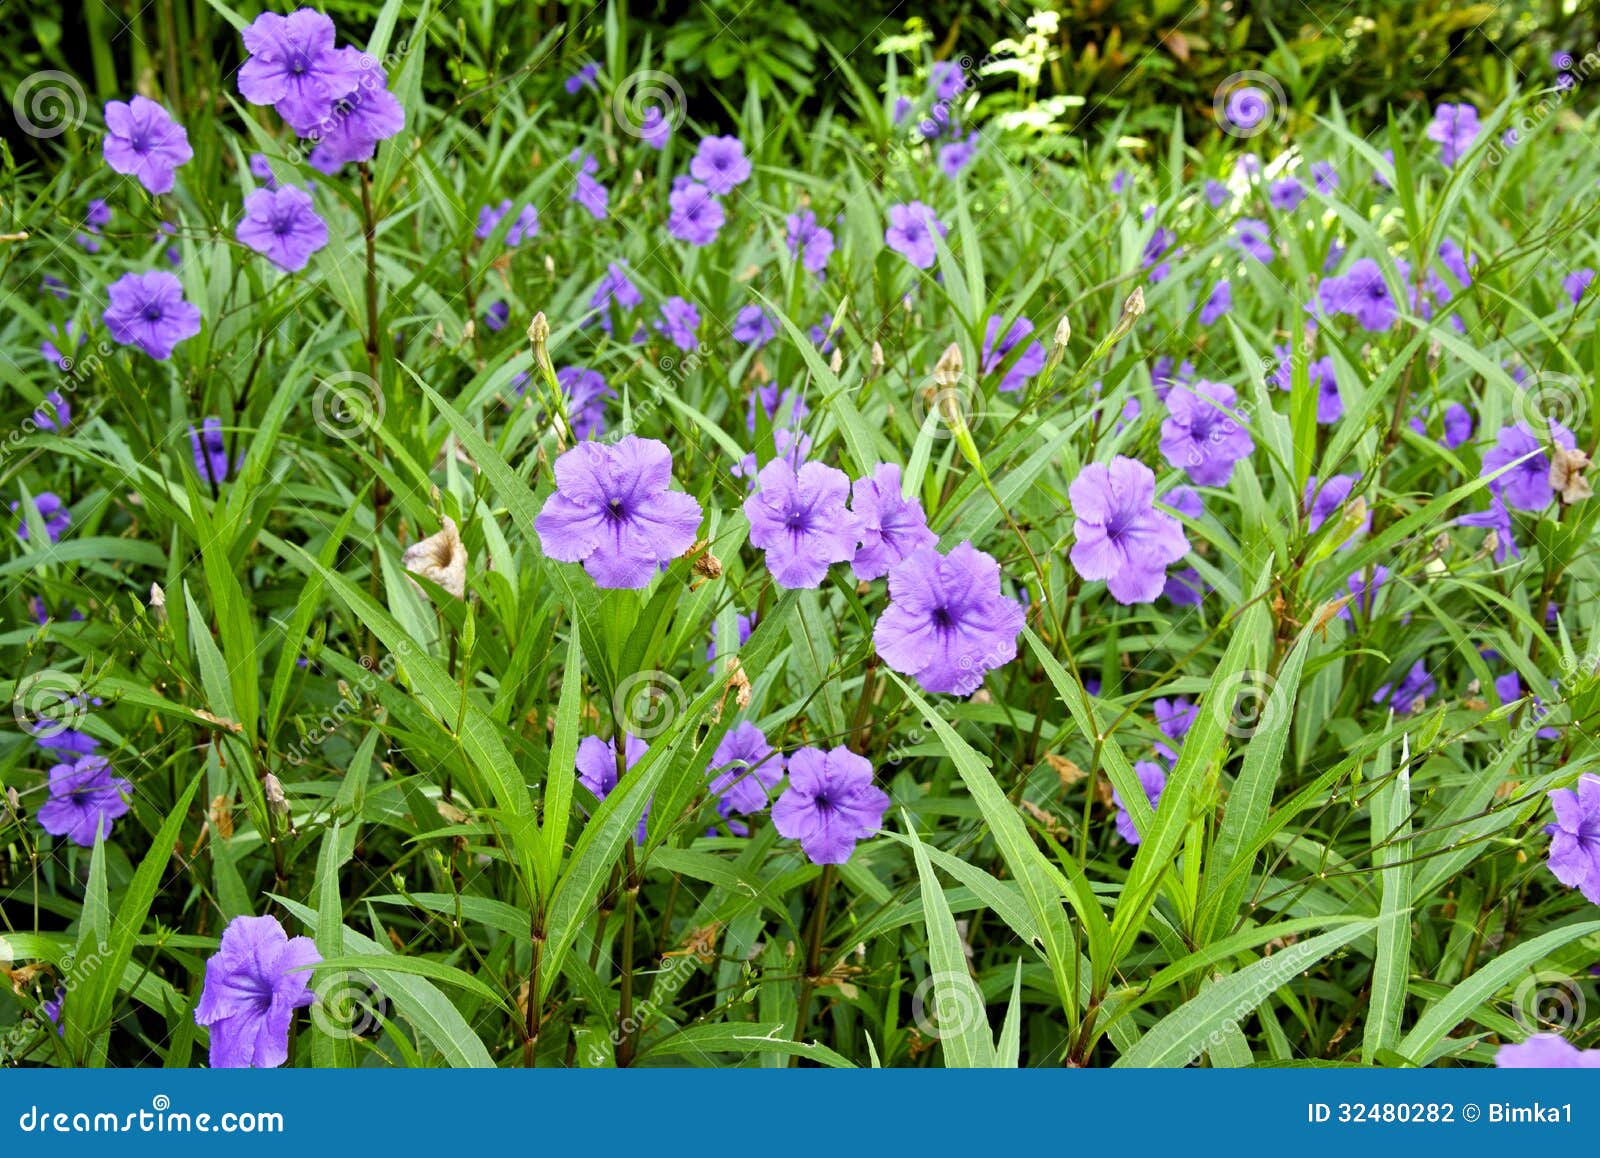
x=946 y=80
x=496 y=316
x=1325 y=176
x=489 y=219
x=1217 y=303
x=1454 y=127
x=1121 y=537
x=1407 y=696
x=679 y=320
x=892 y=526
x=53 y=513
x=791 y=446
x=1176 y=716
x=747 y=770
x=142 y=141
x=808 y=241
x=1575 y=836
x=54 y=413
x=695 y=215
x=1546 y=1051
x=655 y=129
x=615 y=288
x=51 y=1008
x=210 y=450
x=258 y=977
x=1321 y=502
x=68 y=740
x=281 y=225
x=948 y=622
x=1496 y=519
x=1457 y=425
x=582 y=79
x=910 y=233
x=1254 y=238
x=1153 y=780
x=744 y=624
x=829 y=804
x=799 y=518
x=1186 y=501
x=597 y=769
x=1526 y=487
x=72 y=340
x=525 y=227
x=997 y=350
x=147 y=310
x=754 y=327
x=261 y=170
x=1159 y=247
x=357 y=121
x=584 y=392
x=1361 y=293
x=772 y=399
x=720 y=164
x=957 y=155
x=613 y=512
x=1217 y=194
x=1286 y=195
x=1202 y=434
x=1456 y=262
x=1363 y=590
x=586 y=191
x=1185 y=588
x=295 y=67
x=85 y=799
x=1577 y=283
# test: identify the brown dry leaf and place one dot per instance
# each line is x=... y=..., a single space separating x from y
x=23 y=976
x=701 y=944
x=839 y=977
x=1177 y=44
x=450 y=812
x=1066 y=771
x=1327 y=613
x=441 y=558
x=221 y=814
x=222 y=722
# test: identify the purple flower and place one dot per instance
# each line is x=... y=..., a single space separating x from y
x=655 y=129
x=1219 y=302
x=613 y=512
x=800 y=520
x=754 y=327
x=51 y=1008
x=1453 y=127
x=910 y=233
x=720 y=164
x=357 y=121
x=1159 y=245
x=946 y=80
x=54 y=413
x=261 y=170
x=948 y=621
x=1185 y=588
x=1286 y=195
x=679 y=320
x=696 y=215
x=489 y=218
x=829 y=804
x=1456 y=262
x=147 y=310
x=73 y=339
x=808 y=241
x=144 y=142
x=281 y=225
x=496 y=316
x=85 y=798
x=745 y=624
x=749 y=769
x=892 y=526
x=525 y=227
x=1457 y=425
x=614 y=288
x=996 y=350
x=1254 y=238
x=1363 y=591
x=957 y=155
x=1321 y=503
x=1202 y=434
x=1153 y=780
x=772 y=399
x=585 y=392
x=1325 y=176
x=1526 y=486
x=1574 y=837
x=1176 y=716
x=1186 y=501
x=210 y=450
x=1121 y=537
x=257 y=979
x=1417 y=686
x=53 y=513
x=597 y=769
x=789 y=445
x=1217 y=194
x=1497 y=519
x=587 y=191
x=1246 y=107
x=1577 y=283
x=294 y=66
x=582 y=79
x=1546 y=1051
x=1361 y=293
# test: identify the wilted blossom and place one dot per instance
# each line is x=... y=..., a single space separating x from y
x=1577 y=283
x=597 y=769
x=1361 y=293
x=808 y=241
x=830 y=803
x=144 y=142
x=679 y=320
x=1546 y=1051
x=1321 y=502
x=892 y=526
x=910 y=233
x=1255 y=238
x=997 y=349
x=720 y=164
x=799 y=518
x=258 y=977
x=1286 y=195
x=613 y=511
x=85 y=798
x=282 y=226
x=52 y=512
x=1202 y=434
x=1121 y=537
x=582 y=79
x=587 y=191
x=1526 y=487
x=754 y=327
x=148 y=310
x=1153 y=780
x=956 y=155
x=1217 y=303
x=210 y=450
x=948 y=622
x=1454 y=127
x=1575 y=836
x=746 y=768
x=585 y=393
x=695 y=215
x=1405 y=697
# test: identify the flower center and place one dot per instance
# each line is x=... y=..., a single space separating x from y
x=152 y=312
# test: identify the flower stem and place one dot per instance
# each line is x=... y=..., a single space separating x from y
x=819 y=924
